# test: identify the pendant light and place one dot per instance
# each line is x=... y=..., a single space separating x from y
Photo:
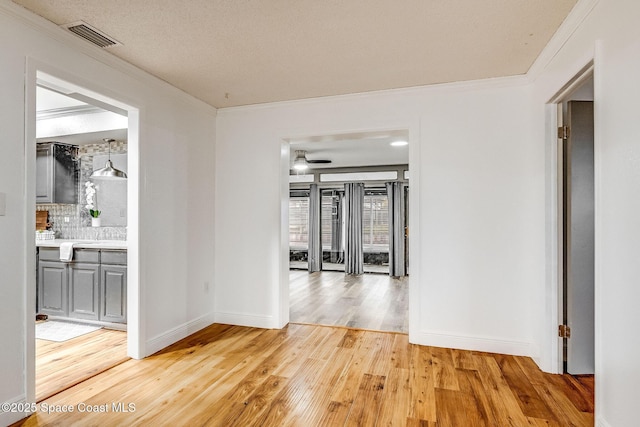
x=108 y=171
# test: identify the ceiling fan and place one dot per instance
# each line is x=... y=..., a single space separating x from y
x=301 y=162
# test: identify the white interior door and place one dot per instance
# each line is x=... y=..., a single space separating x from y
x=579 y=237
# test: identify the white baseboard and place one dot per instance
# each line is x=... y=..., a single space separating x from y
x=174 y=335
x=250 y=320
x=601 y=423
x=8 y=418
x=475 y=343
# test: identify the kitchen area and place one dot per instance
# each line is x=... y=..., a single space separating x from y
x=81 y=238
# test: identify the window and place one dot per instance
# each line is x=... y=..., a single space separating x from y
x=299 y=222
x=332 y=220
x=301 y=178
x=359 y=176
x=375 y=222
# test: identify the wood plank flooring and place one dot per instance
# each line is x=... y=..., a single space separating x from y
x=60 y=365
x=329 y=266
x=368 y=301
x=306 y=375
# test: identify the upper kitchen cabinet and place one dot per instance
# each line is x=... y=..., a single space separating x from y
x=56 y=173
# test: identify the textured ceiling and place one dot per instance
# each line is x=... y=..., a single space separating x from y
x=230 y=53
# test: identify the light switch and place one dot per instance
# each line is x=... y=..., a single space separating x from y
x=3 y=204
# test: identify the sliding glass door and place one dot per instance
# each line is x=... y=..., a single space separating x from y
x=299 y=230
x=332 y=229
x=375 y=231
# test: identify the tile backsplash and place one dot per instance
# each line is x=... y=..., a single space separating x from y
x=111 y=197
x=74 y=221
x=67 y=222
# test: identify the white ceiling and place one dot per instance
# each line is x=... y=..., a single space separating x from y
x=230 y=53
x=66 y=119
x=47 y=100
x=353 y=150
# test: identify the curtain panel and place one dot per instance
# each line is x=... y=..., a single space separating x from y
x=395 y=192
x=354 y=209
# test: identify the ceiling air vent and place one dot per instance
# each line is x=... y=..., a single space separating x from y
x=91 y=34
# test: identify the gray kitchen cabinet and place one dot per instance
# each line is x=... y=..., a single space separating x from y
x=91 y=287
x=56 y=173
x=84 y=291
x=113 y=293
x=52 y=288
x=113 y=281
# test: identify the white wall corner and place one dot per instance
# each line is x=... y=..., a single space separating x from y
x=174 y=335
x=9 y=417
x=53 y=31
x=602 y=423
x=249 y=320
x=473 y=343
x=578 y=14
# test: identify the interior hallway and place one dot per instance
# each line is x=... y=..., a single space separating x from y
x=368 y=301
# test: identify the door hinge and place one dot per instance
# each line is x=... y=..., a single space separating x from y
x=564 y=331
x=564 y=132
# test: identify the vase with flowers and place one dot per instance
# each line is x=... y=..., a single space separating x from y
x=90 y=193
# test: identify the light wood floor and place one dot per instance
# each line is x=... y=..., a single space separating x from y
x=368 y=301
x=328 y=266
x=309 y=376
x=60 y=365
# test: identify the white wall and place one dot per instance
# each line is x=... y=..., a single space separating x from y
x=176 y=180
x=474 y=194
x=611 y=34
x=479 y=158
x=483 y=170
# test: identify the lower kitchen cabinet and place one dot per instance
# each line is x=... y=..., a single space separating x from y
x=84 y=285
x=114 y=293
x=53 y=288
x=92 y=287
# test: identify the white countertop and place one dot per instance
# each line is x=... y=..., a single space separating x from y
x=84 y=244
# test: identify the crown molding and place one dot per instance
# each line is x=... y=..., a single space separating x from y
x=51 y=30
x=56 y=113
x=461 y=86
x=572 y=22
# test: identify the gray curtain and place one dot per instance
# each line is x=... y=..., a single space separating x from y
x=354 y=205
x=395 y=192
x=315 y=239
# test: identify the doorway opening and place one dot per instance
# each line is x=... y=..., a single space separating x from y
x=576 y=226
x=82 y=312
x=348 y=224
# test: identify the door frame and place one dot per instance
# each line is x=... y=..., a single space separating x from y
x=36 y=70
x=555 y=203
x=281 y=296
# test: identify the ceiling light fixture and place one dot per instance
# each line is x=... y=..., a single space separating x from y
x=300 y=164
x=399 y=143
x=108 y=171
